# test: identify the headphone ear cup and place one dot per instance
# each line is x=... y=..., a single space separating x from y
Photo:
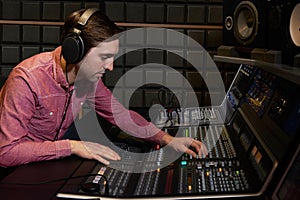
x=73 y=49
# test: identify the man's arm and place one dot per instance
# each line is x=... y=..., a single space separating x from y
x=133 y=123
x=17 y=145
x=107 y=106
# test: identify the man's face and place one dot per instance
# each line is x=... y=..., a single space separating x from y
x=97 y=60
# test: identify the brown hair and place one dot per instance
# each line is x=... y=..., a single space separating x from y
x=97 y=29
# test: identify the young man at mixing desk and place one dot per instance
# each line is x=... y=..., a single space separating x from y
x=39 y=101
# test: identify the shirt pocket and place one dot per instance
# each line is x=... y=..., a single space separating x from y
x=45 y=120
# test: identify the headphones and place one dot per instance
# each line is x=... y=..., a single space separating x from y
x=73 y=45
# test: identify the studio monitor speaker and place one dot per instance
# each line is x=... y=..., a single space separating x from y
x=284 y=28
x=245 y=23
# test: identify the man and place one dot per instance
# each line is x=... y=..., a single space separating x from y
x=43 y=94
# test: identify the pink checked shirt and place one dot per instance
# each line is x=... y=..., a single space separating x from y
x=31 y=108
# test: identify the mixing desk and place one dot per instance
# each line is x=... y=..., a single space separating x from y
x=242 y=135
x=224 y=172
x=242 y=157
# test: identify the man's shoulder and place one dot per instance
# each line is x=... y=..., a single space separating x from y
x=37 y=61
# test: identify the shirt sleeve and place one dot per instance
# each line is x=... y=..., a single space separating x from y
x=17 y=104
x=107 y=106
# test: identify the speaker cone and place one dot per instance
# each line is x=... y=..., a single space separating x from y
x=295 y=25
x=245 y=22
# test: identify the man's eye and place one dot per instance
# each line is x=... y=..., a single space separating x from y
x=104 y=57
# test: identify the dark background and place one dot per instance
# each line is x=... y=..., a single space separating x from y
x=28 y=27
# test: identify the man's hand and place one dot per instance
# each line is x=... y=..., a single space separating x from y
x=91 y=150
x=182 y=144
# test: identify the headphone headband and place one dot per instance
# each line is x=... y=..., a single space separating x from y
x=86 y=16
x=73 y=46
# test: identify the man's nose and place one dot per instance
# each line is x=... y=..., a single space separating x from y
x=109 y=66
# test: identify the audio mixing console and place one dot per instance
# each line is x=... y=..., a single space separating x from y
x=228 y=170
x=247 y=136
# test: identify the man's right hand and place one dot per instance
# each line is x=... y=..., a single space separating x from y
x=91 y=150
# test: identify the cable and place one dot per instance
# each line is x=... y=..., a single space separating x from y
x=66 y=106
x=67 y=78
x=106 y=189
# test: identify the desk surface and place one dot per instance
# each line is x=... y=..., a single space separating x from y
x=37 y=174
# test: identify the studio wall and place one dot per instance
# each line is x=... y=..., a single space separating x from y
x=28 y=27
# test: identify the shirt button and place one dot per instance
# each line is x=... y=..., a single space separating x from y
x=51 y=113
